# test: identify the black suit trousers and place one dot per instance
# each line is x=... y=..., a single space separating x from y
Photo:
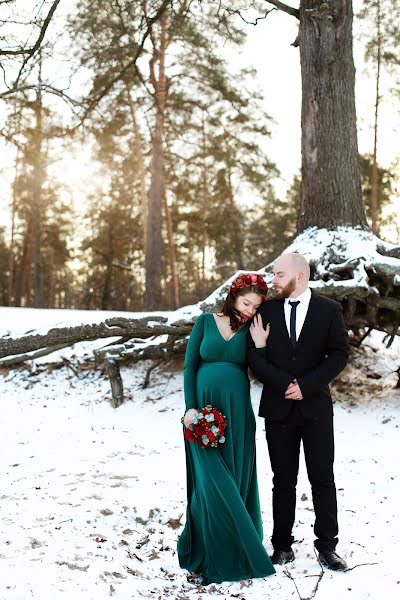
x=284 y=438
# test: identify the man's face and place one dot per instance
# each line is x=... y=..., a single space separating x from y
x=285 y=280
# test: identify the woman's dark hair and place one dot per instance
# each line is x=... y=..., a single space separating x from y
x=230 y=311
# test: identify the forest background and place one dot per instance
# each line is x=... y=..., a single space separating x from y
x=215 y=96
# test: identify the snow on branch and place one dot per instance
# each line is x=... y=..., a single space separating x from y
x=114 y=327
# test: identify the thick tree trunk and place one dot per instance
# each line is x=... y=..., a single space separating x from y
x=331 y=188
x=152 y=295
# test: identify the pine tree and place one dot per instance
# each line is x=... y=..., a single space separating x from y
x=184 y=88
x=40 y=224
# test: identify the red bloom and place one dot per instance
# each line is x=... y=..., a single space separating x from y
x=248 y=280
x=189 y=435
x=207 y=428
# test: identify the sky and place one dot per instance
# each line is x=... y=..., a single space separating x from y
x=268 y=49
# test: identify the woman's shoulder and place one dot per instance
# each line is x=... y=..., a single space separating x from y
x=204 y=316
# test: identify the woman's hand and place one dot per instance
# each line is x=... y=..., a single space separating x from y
x=258 y=333
x=188 y=418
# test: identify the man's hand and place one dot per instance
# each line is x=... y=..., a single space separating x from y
x=293 y=391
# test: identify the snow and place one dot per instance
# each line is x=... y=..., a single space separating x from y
x=93 y=498
x=347 y=246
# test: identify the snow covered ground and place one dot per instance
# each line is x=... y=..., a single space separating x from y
x=92 y=499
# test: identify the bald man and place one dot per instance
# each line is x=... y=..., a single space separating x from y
x=307 y=347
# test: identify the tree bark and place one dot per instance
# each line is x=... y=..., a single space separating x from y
x=113 y=327
x=331 y=187
x=152 y=294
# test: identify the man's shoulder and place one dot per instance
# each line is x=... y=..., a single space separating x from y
x=324 y=301
x=271 y=306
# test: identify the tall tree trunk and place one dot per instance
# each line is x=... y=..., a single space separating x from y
x=171 y=257
x=138 y=150
x=331 y=188
x=152 y=295
x=374 y=166
x=10 y=292
x=205 y=210
x=234 y=221
x=24 y=279
x=51 y=281
x=36 y=205
x=105 y=295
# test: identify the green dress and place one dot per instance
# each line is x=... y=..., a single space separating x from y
x=222 y=538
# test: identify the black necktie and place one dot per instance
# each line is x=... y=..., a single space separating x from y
x=293 y=321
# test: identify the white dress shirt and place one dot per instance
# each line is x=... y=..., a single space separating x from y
x=301 y=311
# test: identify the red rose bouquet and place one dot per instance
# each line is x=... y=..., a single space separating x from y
x=207 y=428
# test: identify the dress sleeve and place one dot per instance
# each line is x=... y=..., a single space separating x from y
x=192 y=359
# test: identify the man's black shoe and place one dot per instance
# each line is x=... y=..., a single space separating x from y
x=281 y=557
x=333 y=561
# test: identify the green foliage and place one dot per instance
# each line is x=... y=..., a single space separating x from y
x=381 y=19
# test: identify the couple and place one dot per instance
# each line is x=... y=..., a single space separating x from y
x=295 y=345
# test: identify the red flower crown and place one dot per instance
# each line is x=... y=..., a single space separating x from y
x=248 y=280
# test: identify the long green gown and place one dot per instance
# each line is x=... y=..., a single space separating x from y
x=222 y=538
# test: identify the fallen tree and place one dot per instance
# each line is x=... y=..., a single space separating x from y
x=349 y=265
x=62 y=337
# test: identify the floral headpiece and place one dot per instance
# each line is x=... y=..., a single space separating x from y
x=248 y=280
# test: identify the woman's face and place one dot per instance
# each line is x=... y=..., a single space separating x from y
x=247 y=304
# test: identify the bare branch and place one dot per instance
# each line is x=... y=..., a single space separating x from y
x=294 y=12
x=38 y=41
x=31 y=51
x=15 y=360
x=237 y=12
x=11 y=139
x=361 y=565
x=45 y=87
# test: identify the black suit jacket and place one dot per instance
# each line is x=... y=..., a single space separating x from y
x=321 y=353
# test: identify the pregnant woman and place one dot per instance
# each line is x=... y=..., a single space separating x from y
x=222 y=538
